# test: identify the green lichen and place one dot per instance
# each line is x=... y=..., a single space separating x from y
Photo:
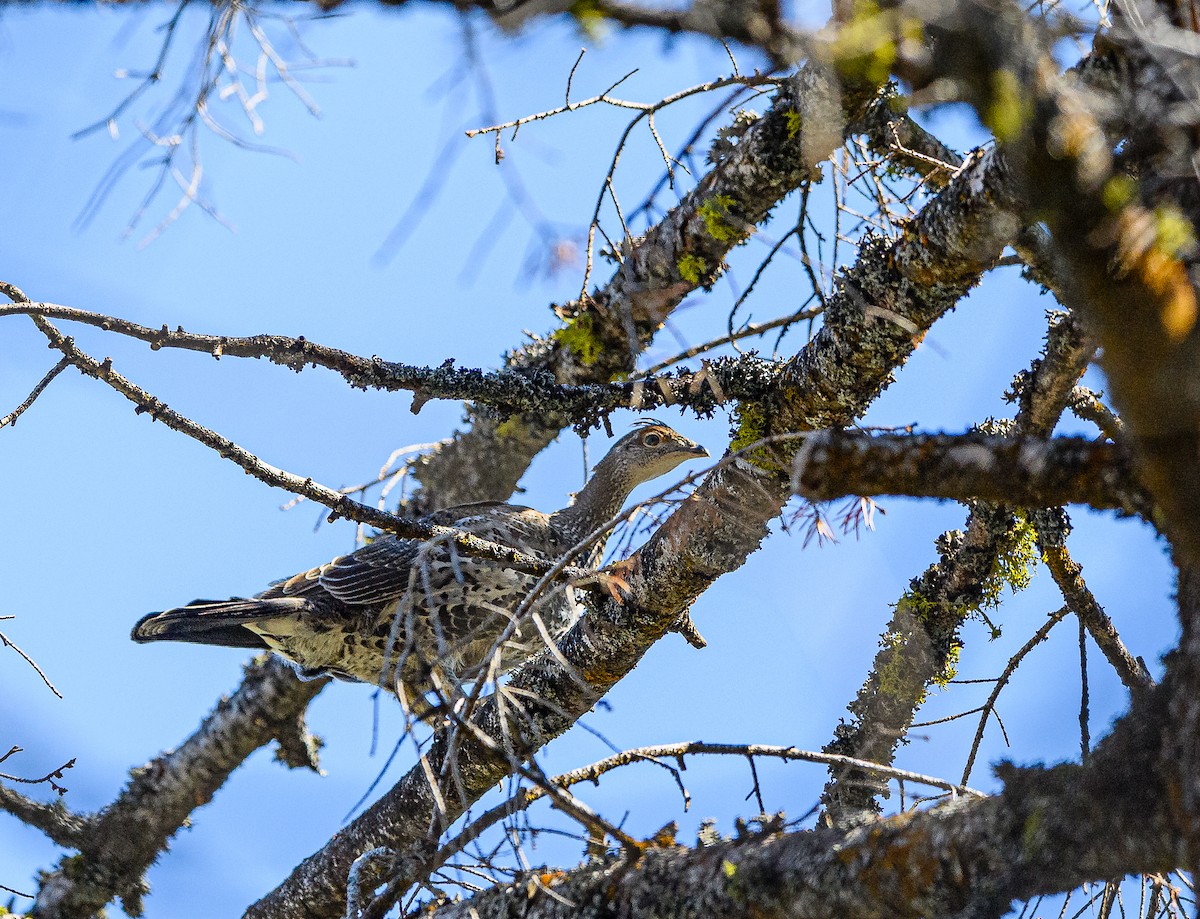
x=579 y=337
x=948 y=672
x=927 y=612
x=589 y=17
x=868 y=42
x=1118 y=191
x=691 y=268
x=715 y=214
x=893 y=675
x=1173 y=234
x=936 y=621
x=1016 y=558
x=1032 y=830
x=1009 y=108
x=795 y=121
x=751 y=429
x=509 y=427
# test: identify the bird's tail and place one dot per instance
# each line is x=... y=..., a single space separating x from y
x=216 y=622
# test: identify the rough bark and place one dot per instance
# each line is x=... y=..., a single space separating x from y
x=1023 y=471
x=776 y=155
x=608 y=328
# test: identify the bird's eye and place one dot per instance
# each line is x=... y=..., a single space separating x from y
x=652 y=439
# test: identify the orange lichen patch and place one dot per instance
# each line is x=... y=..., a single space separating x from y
x=664 y=837
x=542 y=881
x=895 y=866
x=1167 y=277
x=1142 y=253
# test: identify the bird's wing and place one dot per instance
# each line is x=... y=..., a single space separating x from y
x=376 y=573
x=383 y=570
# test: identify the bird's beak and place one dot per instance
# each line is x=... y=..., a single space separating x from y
x=697 y=450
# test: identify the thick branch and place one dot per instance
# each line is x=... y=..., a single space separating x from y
x=606 y=330
x=776 y=155
x=1132 y=288
x=1021 y=471
x=411 y=873
x=123 y=840
x=1049 y=831
x=64 y=827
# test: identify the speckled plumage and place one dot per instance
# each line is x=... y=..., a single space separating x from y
x=407 y=614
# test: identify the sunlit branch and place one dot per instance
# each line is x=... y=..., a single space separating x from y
x=1068 y=575
x=1022 y=471
x=871 y=326
x=1087 y=405
x=506 y=391
x=922 y=639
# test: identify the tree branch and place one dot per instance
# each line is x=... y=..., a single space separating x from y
x=119 y=844
x=11 y=417
x=340 y=504
x=409 y=874
x=1086 y=404
x=1134 y=291
x=62 y=826
x=779 y=153
x=1021 y=471
x=505 y=392
x=1068 y=575
x=605 y=331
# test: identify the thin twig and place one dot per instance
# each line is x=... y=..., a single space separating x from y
x=1038 y=637
x=749 y=331
x=12 y=416
x=9 y=643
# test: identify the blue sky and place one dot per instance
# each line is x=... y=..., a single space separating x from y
x=110 y=515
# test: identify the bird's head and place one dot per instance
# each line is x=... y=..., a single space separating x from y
x=651 y=450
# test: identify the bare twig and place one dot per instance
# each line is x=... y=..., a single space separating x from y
x=54 y=371
x=1038 y=637
x=8 y=643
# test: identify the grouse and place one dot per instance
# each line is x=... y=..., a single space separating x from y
x=416 y=616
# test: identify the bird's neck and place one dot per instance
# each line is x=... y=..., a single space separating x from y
x=598 y=502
